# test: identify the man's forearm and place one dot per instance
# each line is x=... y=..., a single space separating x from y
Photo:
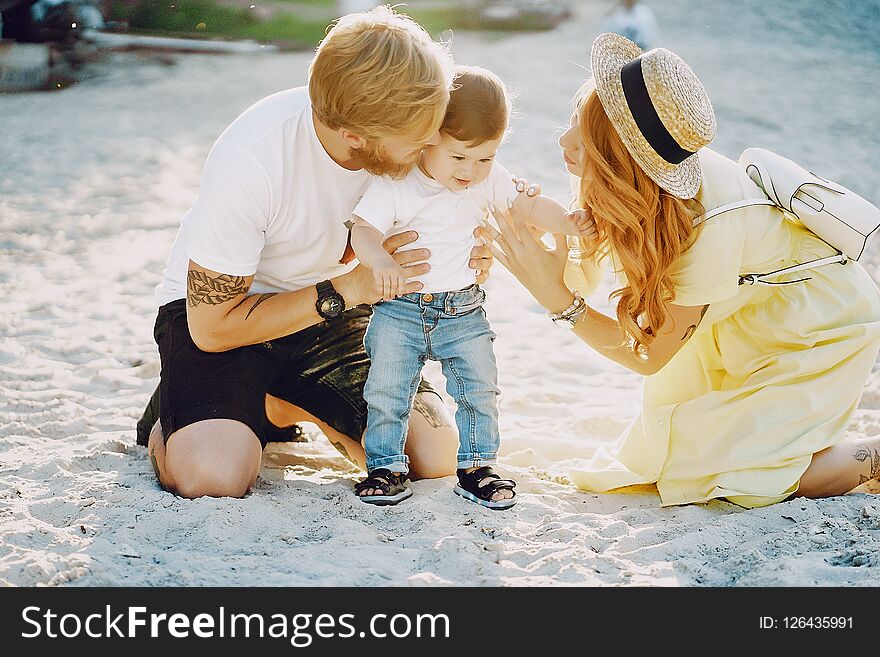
x=255 y=318
x=222 y=314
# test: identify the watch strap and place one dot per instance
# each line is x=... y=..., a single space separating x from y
x=324 y=288
x=327 y=291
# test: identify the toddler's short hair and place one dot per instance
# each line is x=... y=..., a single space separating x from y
x=479 y=106
x=378 y=73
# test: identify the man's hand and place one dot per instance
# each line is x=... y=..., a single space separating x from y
x=481 y=257
x=359 y=286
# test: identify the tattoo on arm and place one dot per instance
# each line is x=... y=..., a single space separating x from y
x=236 y=306
x=864 y=454
x=434 y=414
x=693 y=327
x=260 y=299
x=201 y=288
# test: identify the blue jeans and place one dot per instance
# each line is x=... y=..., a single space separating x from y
x=403 y=333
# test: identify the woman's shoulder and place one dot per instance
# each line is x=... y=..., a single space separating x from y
x=708 y=271
x=724 y=181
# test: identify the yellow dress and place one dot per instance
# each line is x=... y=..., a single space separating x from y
x=771 y=376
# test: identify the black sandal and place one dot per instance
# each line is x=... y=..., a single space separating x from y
x=395 y=487
x=468 y=487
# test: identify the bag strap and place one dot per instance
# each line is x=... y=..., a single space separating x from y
x=759 y=279
x=736 y=205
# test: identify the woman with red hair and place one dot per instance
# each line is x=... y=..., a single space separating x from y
x=749 y=389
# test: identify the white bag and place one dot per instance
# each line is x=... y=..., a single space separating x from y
x=835 y=214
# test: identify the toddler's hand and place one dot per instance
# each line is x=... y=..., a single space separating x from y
x=390 y=279
x=583 y=224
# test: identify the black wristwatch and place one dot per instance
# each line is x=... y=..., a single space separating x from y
x=330 y=303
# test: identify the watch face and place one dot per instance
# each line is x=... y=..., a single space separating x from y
x=331 y=306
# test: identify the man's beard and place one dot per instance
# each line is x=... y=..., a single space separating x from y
x=374 y=161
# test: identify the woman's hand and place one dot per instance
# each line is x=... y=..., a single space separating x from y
x=523 y=187
x=521 y=208
x=481 y=258
x=359 y=286
x=539 y=269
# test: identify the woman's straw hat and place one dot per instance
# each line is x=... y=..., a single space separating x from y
x=658 y=107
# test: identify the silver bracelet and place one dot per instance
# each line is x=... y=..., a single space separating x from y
x=568 y=317
x=577 y=303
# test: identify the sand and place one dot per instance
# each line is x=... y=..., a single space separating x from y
x=93 y=182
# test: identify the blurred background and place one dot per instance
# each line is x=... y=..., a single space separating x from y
x=798 y=72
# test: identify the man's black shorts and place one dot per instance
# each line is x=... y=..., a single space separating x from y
x=321 y=369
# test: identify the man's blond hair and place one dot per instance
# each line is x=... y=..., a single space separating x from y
x=378 y=73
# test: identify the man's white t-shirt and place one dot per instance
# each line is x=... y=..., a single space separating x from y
x=272 y=203
x=444 y=219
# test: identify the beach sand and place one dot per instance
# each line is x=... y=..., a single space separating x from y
x=93 y=182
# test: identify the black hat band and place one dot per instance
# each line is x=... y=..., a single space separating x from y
x=647 y=119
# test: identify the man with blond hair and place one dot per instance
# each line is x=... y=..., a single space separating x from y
x=261 y=310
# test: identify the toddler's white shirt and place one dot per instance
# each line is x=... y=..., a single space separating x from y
x=444 y=219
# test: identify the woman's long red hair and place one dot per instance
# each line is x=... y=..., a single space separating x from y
x=643 y=228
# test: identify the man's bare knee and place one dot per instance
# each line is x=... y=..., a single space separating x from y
x=233 y=479
x=156 y=451
x=214 y=458
x=433 y=439
x=431 y=470
x=213 y=484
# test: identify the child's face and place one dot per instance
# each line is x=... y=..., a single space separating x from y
x=456 y=165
